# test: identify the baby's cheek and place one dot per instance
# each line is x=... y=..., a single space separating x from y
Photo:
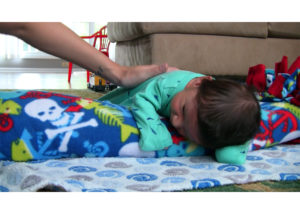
x=181 y=132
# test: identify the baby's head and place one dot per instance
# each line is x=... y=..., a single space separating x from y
x=215 y=113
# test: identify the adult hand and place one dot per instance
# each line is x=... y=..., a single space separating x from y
x=172 y=69
x=132 y=76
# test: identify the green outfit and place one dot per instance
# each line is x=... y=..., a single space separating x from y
x=150 y=100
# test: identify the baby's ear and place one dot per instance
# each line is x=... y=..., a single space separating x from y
x=198 y=80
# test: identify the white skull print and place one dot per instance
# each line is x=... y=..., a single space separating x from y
x=44 y=110
x=66 y=122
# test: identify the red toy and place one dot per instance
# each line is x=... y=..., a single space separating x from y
x=103 y=47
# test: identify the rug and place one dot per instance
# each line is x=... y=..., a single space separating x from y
x=281 y=163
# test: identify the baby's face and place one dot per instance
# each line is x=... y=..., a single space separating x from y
x=184 y=108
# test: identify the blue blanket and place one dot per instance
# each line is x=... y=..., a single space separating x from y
x=43 y=125
x=38 y=125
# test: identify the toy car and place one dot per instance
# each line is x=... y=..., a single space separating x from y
x=97 y=83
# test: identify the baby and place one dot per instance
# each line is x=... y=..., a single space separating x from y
x=211 y=113
x=38 y=125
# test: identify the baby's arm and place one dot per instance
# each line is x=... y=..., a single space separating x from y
x=154 y=134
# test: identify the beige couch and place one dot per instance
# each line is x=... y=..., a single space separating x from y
x=209 y=48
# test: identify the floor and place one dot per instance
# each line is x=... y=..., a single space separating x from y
x=22 y=80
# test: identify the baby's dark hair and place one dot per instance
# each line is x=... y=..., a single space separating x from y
x=228 y=113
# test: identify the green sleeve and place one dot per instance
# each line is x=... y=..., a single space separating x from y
x=232 y=154
x=145 y=105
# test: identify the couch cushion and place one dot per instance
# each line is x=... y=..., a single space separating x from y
x=124 y=31
x=207 y=54
x=284 y=29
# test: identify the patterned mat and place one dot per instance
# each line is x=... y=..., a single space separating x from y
x=279 y=163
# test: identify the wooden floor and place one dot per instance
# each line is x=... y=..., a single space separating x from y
x=22 y=80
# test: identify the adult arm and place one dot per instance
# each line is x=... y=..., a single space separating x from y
x=60 y=41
